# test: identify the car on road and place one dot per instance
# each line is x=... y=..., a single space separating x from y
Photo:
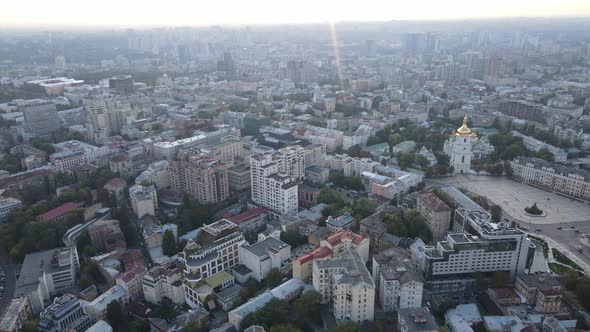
x=577 y=231
x=572 y=227
x=538 y=229
x=580 y=249
x=560 y=228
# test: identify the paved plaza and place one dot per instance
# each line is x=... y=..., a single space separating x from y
x=514 y=196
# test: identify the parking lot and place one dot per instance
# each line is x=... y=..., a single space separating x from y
x=514 y=196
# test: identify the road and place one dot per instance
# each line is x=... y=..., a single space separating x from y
x=562 y=212
x=8 y=268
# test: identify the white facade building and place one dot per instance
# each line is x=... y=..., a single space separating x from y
x=274 y=179
x=163 y=282
x=399 y=285
x=144 y=200
x=346 y=282
x=263 y=256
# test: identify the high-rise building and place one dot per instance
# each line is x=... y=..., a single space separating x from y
x=121 y=83
x=346 y=282
x=60 y=62
x=66 y=313
x=40 y=117
x=274 y=178
x=200 y=176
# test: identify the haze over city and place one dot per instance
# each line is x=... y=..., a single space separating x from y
x=301 y=166
x=114 y=13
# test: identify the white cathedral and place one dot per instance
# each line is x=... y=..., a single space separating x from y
x=459 y=147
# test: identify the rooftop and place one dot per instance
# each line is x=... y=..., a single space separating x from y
x=38 y=263
x=269 y=244
x=58 y=211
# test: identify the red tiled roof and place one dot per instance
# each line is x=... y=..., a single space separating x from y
x=58 y=211
x=246 y=215
x=130 y=274
x=115 y=182
x=321 y=252
x=336 y=238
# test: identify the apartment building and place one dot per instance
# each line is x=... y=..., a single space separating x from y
x=399 y=285
x=314 y=155
x=162 y=282
x=346 y=282
x=239 y=177
x=566 y=180
x=435 y=213
x=200 y=176
x=274 y=180
x=144 y=200
x=523 y=110
x=350 y=166
x=216 y=250
x=543 y=290
x=40 y=117
x=228 y=149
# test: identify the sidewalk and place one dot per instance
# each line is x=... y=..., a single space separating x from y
x=566 y=252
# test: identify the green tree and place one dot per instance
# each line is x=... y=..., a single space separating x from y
x=496 y=211
x=308 y=305
x=347 y=327
x=500 y=279
x=274 y=278
x=169 y=244
x=285 y=328
x=406 y=160
x=357 y=151
x=421 y=161
x=570 y=279
x=31 y=325
x=364 y=207
x=193 y=326
x=115 y=315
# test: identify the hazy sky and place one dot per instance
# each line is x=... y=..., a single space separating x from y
x=205 y=12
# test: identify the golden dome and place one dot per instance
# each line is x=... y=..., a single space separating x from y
x=464 y=130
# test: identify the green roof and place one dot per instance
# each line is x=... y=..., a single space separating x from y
x=218 y=278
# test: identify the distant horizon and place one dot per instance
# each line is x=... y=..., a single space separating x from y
x=56 y=26
x=34 y=14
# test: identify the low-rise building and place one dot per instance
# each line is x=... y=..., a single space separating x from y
x=308 y=195
x=251 y=220
x=543 y=290
x=7 y=206
x=97 y=309
x=538 y=172
x=289 y=290
x=15 y=315
x=263 y=256
x=59 y=213
x=345 y=221
x=45 y=274
x=416 y=320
